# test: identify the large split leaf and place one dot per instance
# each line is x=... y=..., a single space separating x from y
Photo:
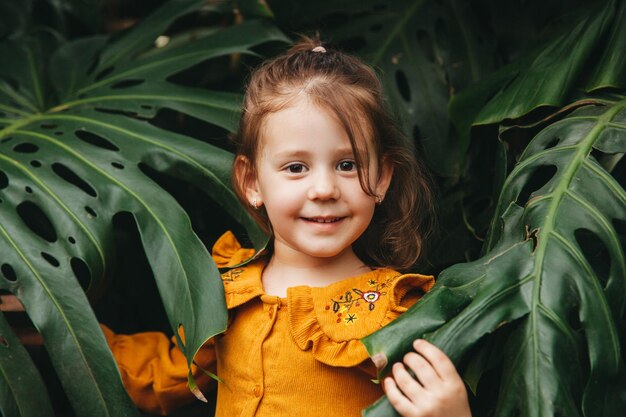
x=549 y=75
x=76 y=148
x=553 y=279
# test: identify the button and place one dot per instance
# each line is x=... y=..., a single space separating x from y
x=257 y=391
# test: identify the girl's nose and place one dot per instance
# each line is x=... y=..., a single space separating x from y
x=324 y=187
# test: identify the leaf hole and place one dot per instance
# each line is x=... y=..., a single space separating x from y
x=58 y=133
x=126 y=84
x=118 y=112
x=403 y=86
x=540 y=177
x=26 y=148
x=35 y=163
x=71 y=240
x=70 y=176
x=117 y=165
x=51 y=259
x=8 y=272
x=146 y=107
x=90 y=212
x=553 y=143
x=4 y=180
x=441 y=31
x=104 y=73
x=181 y=123
x=37 y=221
x=426 y=44
x=95 y=140
x=49 y=125
x=573 y=318
x=596 y=253
x=81 y=272
x=28 y=189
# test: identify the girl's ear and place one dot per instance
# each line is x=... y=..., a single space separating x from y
x=384 y=179
x=245 y=178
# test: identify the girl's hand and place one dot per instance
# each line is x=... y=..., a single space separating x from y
x=437 y=389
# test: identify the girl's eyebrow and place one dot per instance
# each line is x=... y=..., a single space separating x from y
x=291 y=153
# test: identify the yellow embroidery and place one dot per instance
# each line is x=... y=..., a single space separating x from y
x=231 y=275
x=343 y=304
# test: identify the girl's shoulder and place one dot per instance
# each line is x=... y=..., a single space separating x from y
x=227 y=251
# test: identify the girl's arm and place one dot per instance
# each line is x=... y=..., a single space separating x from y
x=154 y=370
x=437 y=389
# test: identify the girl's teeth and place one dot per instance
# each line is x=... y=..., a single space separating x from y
x=324 y=220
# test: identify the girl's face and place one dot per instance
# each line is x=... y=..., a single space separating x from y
x=308 y=181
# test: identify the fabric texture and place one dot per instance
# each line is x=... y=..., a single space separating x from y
x=299 y=355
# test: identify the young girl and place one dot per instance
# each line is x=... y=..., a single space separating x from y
x=324 y=170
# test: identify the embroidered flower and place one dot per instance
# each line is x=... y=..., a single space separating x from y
x=346 y=301
x=370 y=296
x=351 y=318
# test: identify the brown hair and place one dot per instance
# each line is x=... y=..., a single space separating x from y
x=336 y=81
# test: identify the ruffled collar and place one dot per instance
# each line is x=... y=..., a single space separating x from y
x=329 y=321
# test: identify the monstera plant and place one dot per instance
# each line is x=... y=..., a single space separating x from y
x=75 y=141
x=522 y=117
x=538 y=320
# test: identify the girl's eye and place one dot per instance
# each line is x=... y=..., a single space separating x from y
x=346 y=166
x=296 y=168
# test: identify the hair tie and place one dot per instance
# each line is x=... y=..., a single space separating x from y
x=319 y=49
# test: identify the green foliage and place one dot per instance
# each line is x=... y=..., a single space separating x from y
x=537 y=323
x=553 y=281
x=76 y=149
x=520 y=114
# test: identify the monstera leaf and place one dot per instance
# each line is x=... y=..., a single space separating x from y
x=553 y=279
x=76 y=148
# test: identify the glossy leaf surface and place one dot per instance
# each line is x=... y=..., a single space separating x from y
x=20 y=379
x=554 y=279
x=76 y=148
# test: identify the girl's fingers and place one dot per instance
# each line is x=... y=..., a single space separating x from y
x=405 y=381
x=439 y=361
x=396 y=398
x=423 y=370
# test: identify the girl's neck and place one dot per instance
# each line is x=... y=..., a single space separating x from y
x=287 y=269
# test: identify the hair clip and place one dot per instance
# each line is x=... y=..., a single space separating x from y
x=319 y=49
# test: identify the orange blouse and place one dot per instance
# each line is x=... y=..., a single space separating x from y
x=294 y=356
